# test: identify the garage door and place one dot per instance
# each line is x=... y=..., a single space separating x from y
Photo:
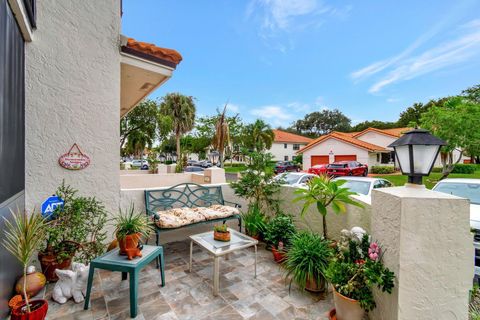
x=346 y=157
x=319 y=160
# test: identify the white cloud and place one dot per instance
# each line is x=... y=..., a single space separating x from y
x=233 y=107
x=274 y=114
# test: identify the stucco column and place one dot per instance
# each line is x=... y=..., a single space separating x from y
x=427 y=243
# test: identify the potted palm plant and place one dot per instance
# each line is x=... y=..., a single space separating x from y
x=23 y=237
x=324 y=193
x=254 y=221
x=354 y=271
x=279 y=231
x=307 y=260
x=129 y=228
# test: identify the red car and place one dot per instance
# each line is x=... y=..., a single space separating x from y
x=347 y=168
x=318 y=169
x=285 y=166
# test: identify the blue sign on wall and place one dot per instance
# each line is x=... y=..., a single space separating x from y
x=49 y=206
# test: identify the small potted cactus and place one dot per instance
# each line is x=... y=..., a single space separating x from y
x=221 y=233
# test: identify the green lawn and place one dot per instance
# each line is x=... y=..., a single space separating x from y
x=235 y=169
x=429 y=181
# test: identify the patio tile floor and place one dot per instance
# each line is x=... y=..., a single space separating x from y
x=189 y=295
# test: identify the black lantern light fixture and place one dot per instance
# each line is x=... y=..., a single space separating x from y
x=416 y=152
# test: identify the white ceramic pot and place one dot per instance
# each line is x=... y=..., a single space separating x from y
x=346 y=308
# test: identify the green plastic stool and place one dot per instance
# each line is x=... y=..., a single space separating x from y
x=114 y=262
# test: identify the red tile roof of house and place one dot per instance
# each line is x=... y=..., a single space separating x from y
x=395 y=132
x=151 y=50
x=345 y=138
x=283 y=136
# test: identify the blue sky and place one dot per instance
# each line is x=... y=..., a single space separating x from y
x=281 y=59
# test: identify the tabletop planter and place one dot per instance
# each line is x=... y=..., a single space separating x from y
x=221 y=233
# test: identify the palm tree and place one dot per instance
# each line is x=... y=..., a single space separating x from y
x=221 y=139
x=181 y=110
x=137 y=142
x=258 y=136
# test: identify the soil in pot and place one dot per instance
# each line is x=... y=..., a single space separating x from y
x=50 y=262
x=38 y=311
x=346 y=308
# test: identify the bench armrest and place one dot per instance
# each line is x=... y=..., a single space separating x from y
x=152 y=214
x=234 y=204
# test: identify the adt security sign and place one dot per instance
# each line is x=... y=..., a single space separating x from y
x=49 y=206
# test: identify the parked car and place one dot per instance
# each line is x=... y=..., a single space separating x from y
x=347 y=168
x=318 y=169
x=138 y=163
x=295 y=179
x=144 y=166
x=465 y=188
x=363 y=186
x=191 y=162
x=285 y=166
x=204 y=164
x=193 y=169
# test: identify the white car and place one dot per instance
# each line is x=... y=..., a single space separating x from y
x=138 y=163
x=464 y=188
x=363 y=186
x=295 y=179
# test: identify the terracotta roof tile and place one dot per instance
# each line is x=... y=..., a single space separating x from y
x=343 y=137
x=152 y=50
x=282 y=136
x=395 y=132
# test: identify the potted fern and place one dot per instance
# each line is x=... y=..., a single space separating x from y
x=23 y=237
x=254 y=221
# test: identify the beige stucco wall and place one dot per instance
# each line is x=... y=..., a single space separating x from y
x=429 y=247
x=73 y=96
x=377 y=139
x=279 y=151
x=337 y=147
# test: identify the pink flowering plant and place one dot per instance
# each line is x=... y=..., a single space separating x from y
x=357 y=268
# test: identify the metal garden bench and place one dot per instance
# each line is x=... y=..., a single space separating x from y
x=186 y=195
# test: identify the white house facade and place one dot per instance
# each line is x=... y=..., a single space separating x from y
x=286 y=145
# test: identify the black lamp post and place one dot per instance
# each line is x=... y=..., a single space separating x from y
x=416 y=152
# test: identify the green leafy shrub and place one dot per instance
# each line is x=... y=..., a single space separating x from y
x=357 y=268
x=255 y=221
x=77 y=228
x=169 y=162
x=464 y=168
x=279 y=229
x=307 y=259
x=222 y=228
x=382 y=169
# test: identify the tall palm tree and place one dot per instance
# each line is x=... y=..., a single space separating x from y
x=221 y=139
x=258 y=136
x=181 y=110
x=137 y=142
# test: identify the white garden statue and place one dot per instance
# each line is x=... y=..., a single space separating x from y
x=71 y=283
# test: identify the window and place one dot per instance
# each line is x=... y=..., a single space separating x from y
x=378 y=157
x=296 y=147
x=285 y=158
x=285 y=146
x=386 y=158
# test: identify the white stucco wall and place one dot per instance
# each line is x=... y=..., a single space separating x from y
x=337 y=147
x=279 y=151
x=377 y=139
x=73 y=96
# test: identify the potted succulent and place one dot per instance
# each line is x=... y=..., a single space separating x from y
x=307 y=260
x=221 y=233
x=76 y=230
x=23 y=236
x=354 y=271
x=278 y=233
x=129 y=228
x=254 y=221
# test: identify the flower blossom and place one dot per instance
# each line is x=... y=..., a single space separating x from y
x=374 y=251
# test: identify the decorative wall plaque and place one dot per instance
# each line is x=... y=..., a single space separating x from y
x=74 y=159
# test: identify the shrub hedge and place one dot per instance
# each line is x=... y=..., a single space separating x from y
x=382 y=169
x=464 y=168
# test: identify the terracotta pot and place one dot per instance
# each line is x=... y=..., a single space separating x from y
x=128 y=243
x=278 y=256
x=221 y=236
x=332 y=314
x=256 y=237
x=38 y=308
x=346 y=308
x=49 y=263
x=315 y=286
x=35 y=283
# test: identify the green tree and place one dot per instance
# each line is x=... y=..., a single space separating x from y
x=373 y=124
x=456 y=122
x=257 y=136
x=472 y=93
x=322 y=122
x=137 y=142
x=221 y=138
x=181 y=109
x=412 y=115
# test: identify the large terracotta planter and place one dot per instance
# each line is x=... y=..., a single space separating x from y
x=50 y=262
x=38 y=308
x=346 y=308
x=278 y=256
